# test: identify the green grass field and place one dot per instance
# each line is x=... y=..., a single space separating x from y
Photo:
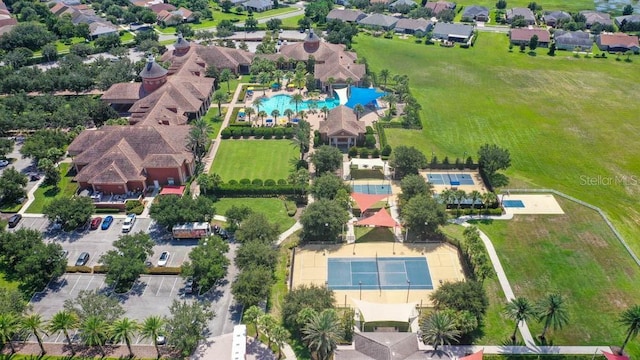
x=254 y=159
x=44 y=194
x=273 y=208
x=569 y=5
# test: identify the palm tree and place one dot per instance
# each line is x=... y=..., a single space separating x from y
x=64 y=321
x=9 y=326
x=35 y=325
x=299 y=78
x=330 y=82
x=459 y=196
x=288 y=113
x=488 y=198
x=262 y=114
x=278 y=75
x=313 y=106
x=475 y=196
x=302 y=137
x=302 y=115
x=94 y=332
x=322 y=334
x=296 y=99
x=391 y=99
x=384 y=76
x=275 y=113
x=630 y=318
x=251 y=316
x=257 y=102
x=279 y=336
x=249 y=111
x=123 y=329
x=518 y=310
x=151 y=328
x=263 y=79
x=358 y=109
x=266 y=323
x=552 y=310
x=198 y=137
x=439 y=329
x=325 y=111
x=219 y=97
x=226 y=75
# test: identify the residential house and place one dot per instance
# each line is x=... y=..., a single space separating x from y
x=410 y=26
x=238 y=2
x=593 y=17
x=98 y=29
x=572 y=40
x=621 y=21
x=341 y=128
x=258 y=5
x=475 y=13
x=553 y=18
x=524 y=35
x=175 y=17
x=346 y=15
x=617 y=42
x=409 y=3
x=439 y=6
x=82 y=14
x=381 y=21
x=383 y=2
x=526 y=13
x=453 y=32
x=157 y=8
x=7 y=22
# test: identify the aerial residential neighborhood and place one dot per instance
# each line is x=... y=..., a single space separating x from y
x=352 y=179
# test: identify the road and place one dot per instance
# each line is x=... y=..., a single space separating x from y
x=23 y=165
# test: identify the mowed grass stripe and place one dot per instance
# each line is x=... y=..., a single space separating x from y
x=254 y=159
x=273 y=208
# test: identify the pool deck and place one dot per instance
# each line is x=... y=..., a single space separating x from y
x=310 y=267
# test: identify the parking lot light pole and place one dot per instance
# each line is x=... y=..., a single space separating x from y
x=408 y=289
x=360 y=283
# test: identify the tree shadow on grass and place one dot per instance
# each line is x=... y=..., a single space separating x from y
x=532 y=53
x=52 y=192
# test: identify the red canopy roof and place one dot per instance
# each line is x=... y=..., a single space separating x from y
x=381 y=218
x=172 y=190
x=365 y=201
x=475 y=356
x=611 y=356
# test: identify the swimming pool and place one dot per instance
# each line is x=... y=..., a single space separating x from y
x=283 y=101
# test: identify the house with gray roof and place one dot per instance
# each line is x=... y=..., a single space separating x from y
x=346 y=15
x=526 y=13
x=410 y=26
x=572 y=40
x=387 y=346
x=475 y=13
x=385 y=22
x=258 y=5
x=439 y=6
x=552 y=18
x=453 y=32
x=627 y=19
x=409 y=3
x=594 y=17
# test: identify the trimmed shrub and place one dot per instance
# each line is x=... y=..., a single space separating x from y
x=279 y=133
x=370 y=140
x=100 y=269
x=262 y=191
x=245 y=182
x=233 y=182
x=79 y=269
x=257 y=182
x=386 y=150
x=164 y=270
x=375 y=153
x=353 y=151
x=107 y=211
x=369 y=130
x=281 y=182
x=258 y=133
x=270 y=182
x=288 y=133
x=291 y=208
x=226 y=133
x=267 y=133
x=364 y=153
x=246 y=132
x=134 y=206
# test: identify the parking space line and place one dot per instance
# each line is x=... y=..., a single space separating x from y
x=74 y=285
x=160 y=287
x=89 y=283
x=173 y=287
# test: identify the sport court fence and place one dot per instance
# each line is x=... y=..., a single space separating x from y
x=595 y=208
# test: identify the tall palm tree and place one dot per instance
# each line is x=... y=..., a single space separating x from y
x=302 y=137
x=330 y=82
x=257 y=102
x=630 y=318
x=64 y=321
x=488 y=198
x=219 y=97
x=266 y=323
x=94 y=332
x=288 y=113
x=249 y=111
x=275 y=113
x=325 y=111
x=552 y=310
x=198 y=137
x=226 y=75
x=447 y=196
x=123 y=329
x=278 y=75
x=519 y=310
x=35 y=325
x=313 y=106
x=322 y=334
x=296 y=99
x=475 y=196
x=251 y=316
x=384 y=76
x=358 y=109
x=279 y=336
x=459 y=196
x=9 y=326
x=439 y=329
x=264 y=78
x=299 y=78
x=262 y=114
x=151 y=328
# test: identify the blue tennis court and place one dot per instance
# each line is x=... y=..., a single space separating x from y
x=384 y=273
x=371 y=188
x=513 y=203
x=450 y=179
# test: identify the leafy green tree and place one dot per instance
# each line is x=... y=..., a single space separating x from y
x=406 y=160
x=326 y=159
x=12 y=186
x=219 y=97
x=187 y=325
x=533 y=42
x=171 y=210
x=198 y=138
x=501 y=4
x=274 y=24
x=70 y=212
x=326 y=186
x=251 y=23
x=123 y=330
x=266 y=323
x=492 y=159
x=95 y=332
x=322 y=334
x=6 y=146
x=630 y=319
x=279 y=335
x=422 y=215
x=413 y=185
x=256 y=253
x=226 y=75
x=152 y=327
x=94 y=304
x=235 y=215
x=519 y=310
x=257 y=227
x=323 y=220
x=11 y=300
x=126 y=263
x=627 y=10
x=63 y=321
x=35 y=325
x=552 y=311
x=207 y=262
x=252 y=285
x=306 y=296
x=251 y=316
x=461 y=296
x=9 y=326
x=439 y=329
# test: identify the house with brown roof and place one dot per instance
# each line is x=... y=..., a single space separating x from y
x=181 y=15
x=439 y=6
x=341 y=128
x=526 y=13
x=121 y=159
x=553 y=18
x=618 y=42
x=346 y=15
x=596 y=17
x=523 y=36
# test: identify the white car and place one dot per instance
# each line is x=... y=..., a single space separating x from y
x=128 y=223
x=3 y=163
x=164 y=258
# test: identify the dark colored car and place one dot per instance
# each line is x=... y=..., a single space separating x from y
x=34 y=177
x=107 y=222
x=14 y=220
x=82 y=259
x=95 y=223
x=188 y=285
x=223 y=234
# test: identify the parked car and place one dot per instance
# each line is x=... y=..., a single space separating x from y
x=223 y=234
x=107 y=222
x=128 y=223
x=82 y=259
x=64 y=253
x=95 y=223
x=14 y=220
x=164 y=258
x=188 y=285
x=3 y=163
x=34 y=177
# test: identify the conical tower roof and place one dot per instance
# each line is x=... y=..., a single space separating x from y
x=181 y=43
x=152 y=69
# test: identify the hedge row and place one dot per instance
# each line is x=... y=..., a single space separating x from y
x=382 y=136
x=164 y=270
x=101 y=269
x=134 y=206
x=107 y=210
x=257 y=182
x=240 y=190
x=257 y=132
x=291 y=207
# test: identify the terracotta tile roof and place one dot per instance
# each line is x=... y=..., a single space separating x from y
x=339 y=71
x=127 y=92
x=438 y=6
x=199 y=57
x=157 y=8
x=618 y=40
x=341 y=120
x=527 y=34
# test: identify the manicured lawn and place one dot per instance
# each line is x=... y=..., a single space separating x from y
x=44 y=194
x=574 y=5
x=565 y=120
x=273 y=208
x=373 y=234
x=279 y=288
x=254 y=159
x=292 y=21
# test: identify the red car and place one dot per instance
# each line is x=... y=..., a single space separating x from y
x=95 y=223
